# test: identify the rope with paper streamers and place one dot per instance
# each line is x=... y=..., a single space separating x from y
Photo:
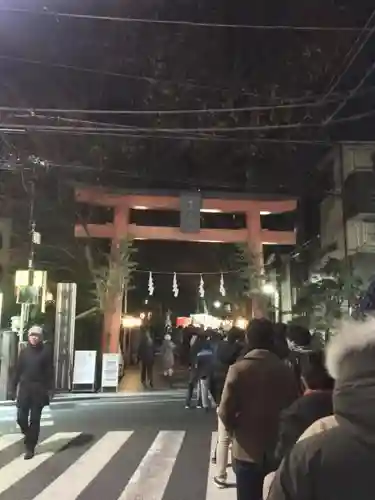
x=175 y=287
x=183 y=273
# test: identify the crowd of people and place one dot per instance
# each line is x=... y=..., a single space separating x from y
x=299 y=421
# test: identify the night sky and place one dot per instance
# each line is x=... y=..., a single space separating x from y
x=288 y=80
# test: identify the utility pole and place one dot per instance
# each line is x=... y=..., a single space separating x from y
x=34 y=237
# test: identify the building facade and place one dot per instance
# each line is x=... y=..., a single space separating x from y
x=347 y=212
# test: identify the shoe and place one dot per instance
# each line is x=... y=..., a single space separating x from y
x=199 y=407
x=213 y=460
x=29 y=454
x=220 y=482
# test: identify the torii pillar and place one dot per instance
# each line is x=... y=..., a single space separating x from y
x=255 y=247
x=113 y=311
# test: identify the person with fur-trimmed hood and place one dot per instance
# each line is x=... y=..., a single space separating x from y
x=339 y=464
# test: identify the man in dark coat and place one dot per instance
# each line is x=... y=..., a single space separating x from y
x=339 y=464
x=316 y=403
x=201 y=367
x=33 y=383
x=146 y=356
x=227 y=353
x=257 y=388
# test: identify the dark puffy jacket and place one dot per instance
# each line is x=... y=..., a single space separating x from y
x=227 y=353
x=34 y=374
x=339 y=463
x=146 y=350
x=298 y=417
x=204 y=362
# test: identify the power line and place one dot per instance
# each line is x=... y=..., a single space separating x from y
x=202 y=136
x=352 y=93
x=48 y=13
x=10 y=128
x=17 y=127
x=163 y=111
x=124 y=135
x=147 y=79
x=370 y=31
x=153 y=80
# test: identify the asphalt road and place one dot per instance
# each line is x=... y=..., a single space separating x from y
x=143 y=447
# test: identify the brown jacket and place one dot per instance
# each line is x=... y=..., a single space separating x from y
x=257 y=389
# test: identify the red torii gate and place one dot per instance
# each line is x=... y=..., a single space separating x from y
x=120 y=228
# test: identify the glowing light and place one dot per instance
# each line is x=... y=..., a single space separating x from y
x=217 y=304
x=265 y=212
x=241 y=323
x=131 y=322
x=269 y=289
x=210 y=211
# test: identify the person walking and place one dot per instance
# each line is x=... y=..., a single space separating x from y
x=200 y=373
x=204 y=367
x=168 y=357
x=257 y=388
x=32 y=387
x=339 y=464
x=146 y=355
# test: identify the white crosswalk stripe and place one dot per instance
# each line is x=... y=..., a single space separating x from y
x=8 y=415
x=8 y=440
x=74 y=471
x=19 y=468
x=79 y=475
x=151 y=477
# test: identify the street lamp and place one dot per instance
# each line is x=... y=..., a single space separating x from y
x=269 y=289
x=129 y=322
x=241 y=323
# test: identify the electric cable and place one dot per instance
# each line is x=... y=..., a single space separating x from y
x=353 y=52
x=49 y=13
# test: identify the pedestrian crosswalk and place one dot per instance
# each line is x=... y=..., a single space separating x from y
x=8 y=416
x=117 y=465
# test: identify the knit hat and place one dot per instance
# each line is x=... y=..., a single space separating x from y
x=35 y=330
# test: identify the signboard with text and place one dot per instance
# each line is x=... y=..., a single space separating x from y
x=84 y=368
x=110 y=370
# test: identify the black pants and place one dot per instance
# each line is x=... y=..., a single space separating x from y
x=249 y=479
x=147 y=373
x=193 y=382
x=29 y=414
